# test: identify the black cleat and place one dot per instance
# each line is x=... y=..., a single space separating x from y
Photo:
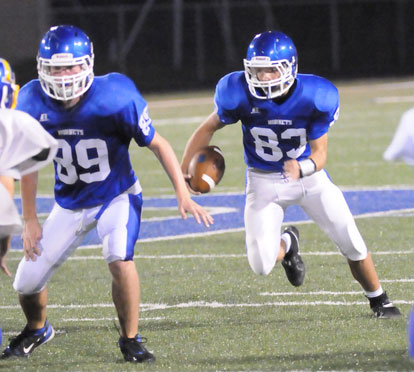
x=134 y=350
x=24 y=343
x=383 y=307
x=292 y=262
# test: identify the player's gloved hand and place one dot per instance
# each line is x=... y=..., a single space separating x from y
x=32 y=233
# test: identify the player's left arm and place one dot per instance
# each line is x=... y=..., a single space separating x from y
x=316 y=161
x=32 y=231
x=319 y=151
x=165 y=154
x=326 y=104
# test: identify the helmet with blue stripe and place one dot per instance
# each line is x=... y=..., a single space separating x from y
x=271 y=50
x=65 y=46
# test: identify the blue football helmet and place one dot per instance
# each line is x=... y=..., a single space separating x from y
x=65 y=46
x=8 y=86
x=272 y=49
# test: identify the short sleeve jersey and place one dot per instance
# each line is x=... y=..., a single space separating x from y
x=278 y=130
x=92 y=165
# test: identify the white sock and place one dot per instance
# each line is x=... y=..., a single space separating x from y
x=288 y=241
x=376 y=293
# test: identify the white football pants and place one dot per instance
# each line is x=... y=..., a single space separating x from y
x=401 y=147
x=117 y=224
x=267 y=197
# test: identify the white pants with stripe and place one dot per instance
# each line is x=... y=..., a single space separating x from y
x=117 y=224
x=267 y=197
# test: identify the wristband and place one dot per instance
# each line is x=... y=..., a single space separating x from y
x=307 y=167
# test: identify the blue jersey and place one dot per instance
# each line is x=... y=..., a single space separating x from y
x=92 y=165
x=276 y=131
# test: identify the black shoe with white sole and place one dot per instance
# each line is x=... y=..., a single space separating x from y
x=292 y=262
x=383 y=307
x=134 y=350
x=26 y=341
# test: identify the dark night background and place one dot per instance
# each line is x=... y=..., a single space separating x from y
x=181 y=45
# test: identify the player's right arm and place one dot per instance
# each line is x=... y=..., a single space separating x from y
x=200 y=138
x=228 y=97
x=32 y=231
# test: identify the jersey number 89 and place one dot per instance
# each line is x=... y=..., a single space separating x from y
x=66 y=170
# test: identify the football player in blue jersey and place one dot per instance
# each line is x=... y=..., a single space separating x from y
x=285 y=118
x=94 y=120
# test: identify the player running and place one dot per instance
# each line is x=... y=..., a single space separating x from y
x=94 y=120
x=285 y=118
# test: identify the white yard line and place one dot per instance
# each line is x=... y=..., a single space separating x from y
x=370 y=85
x=103 y=319
x=332 y=293
x=214 y=256
x=393 y=99
x=317 y=293
x=213 y=305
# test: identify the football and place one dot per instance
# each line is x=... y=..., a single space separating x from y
x=206 y=169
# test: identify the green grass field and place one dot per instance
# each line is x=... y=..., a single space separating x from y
x=203 y=309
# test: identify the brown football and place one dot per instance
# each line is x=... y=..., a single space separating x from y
x=206 y=169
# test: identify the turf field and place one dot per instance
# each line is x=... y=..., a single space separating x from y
x=203 y=309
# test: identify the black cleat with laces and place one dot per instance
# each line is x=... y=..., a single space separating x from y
x=134 y=350
x=25 y=342
x=292 y=262
x=383 y=307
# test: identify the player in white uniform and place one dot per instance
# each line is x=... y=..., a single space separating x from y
x=401 y=147
x=94 y=120
x=285 y=118
x=24 y=148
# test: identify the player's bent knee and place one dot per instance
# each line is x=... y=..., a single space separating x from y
x=122 y=268
x=27 y=287
x=262 y=271
x=30 y=278
x=350 y=242
x=356 y=256
x=259 y=266
x=261 y=258
x=114 y=258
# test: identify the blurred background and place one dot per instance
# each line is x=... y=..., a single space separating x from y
x=176 y=45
